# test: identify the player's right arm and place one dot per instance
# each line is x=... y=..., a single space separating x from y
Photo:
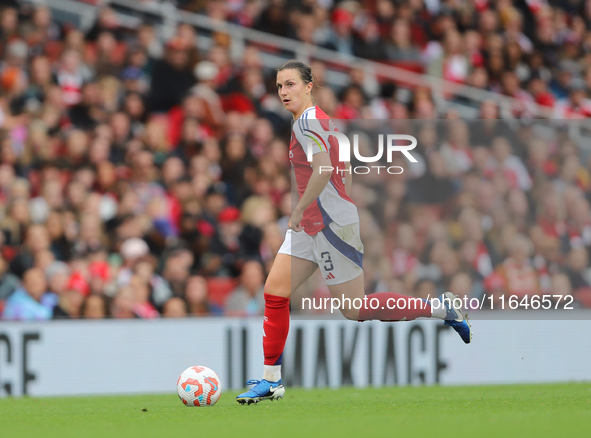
x=316 y=184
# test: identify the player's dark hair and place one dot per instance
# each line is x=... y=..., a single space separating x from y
x=304 y=69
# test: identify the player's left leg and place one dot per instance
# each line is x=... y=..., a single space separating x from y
x=391 y=306
x=340 y=255
x=387 y=306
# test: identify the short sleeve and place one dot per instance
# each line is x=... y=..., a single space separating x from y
x=310 y=134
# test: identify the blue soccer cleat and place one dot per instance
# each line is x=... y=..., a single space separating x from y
x=455 y=318
x=263 y=390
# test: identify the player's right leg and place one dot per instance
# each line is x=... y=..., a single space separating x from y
x=287 y=274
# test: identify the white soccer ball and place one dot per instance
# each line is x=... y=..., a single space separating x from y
x=199 y=386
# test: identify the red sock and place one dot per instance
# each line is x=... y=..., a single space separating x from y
x=405 y=308
x=275 y=328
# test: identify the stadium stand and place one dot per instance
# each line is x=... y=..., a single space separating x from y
x=144 y=149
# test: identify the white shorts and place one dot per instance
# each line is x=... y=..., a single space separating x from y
x=336 y=250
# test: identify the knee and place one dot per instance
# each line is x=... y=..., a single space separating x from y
x=278 y=288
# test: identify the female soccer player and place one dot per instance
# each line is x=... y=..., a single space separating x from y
x=324 y=232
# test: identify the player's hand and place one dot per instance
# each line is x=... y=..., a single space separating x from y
x=295 y=221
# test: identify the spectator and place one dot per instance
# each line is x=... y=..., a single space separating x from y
x=142 y=306
x=105 y=141
x=16 y=221
x=31 y=301
x=508 y=165
x=353 y=100
x=43 y=28
x=88 y=112
x=8 y=23
x=400 y=48
x=461 y=284
x=206 y=73
x=131 y=250
x=123 y=303
x=175 y=308
x=58 y=276
x=341 y=38
x=106 y=21
x=8 y=281
x=197 y=296
x=247 y=298
x=172 y=77
x=177 y=269
x=60 y=245
x=577 y=104
x=579 y=274
x=456 y=150
x=71 y=77
x=36 y=240
x=517 y=271
x=561 y=286
x=433 y=187
x=109 y=55
x=149 y=42
x=274 y=19
x=145 y=268
x=233 y=243
x=94 y=307
x=76 y=288
x=369 y=41
x=425 y=288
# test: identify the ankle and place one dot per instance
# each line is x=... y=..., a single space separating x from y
x=272 y=373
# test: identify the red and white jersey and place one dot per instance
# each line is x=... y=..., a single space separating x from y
x=71 y=85
x=333 y=204
x=565 y=109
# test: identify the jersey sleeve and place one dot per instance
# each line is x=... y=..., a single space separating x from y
x=311 y=135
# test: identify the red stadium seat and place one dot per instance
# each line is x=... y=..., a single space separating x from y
x=218 y=289
x=583 y=296
x=53 y=50
x=117 y=56
x=341 y=67
x=415 y=67
x=265 y=47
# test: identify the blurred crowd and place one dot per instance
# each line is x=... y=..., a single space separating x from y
x=536 y=51
x=142 y=178
x=491 y=208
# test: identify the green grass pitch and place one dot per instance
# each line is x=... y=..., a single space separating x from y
x=468 y=411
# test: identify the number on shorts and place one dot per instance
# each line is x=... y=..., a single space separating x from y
x=328 y=266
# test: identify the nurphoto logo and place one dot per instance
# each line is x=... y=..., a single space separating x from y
x=392 y=145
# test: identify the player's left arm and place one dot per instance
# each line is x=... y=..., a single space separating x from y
x=318 y=180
